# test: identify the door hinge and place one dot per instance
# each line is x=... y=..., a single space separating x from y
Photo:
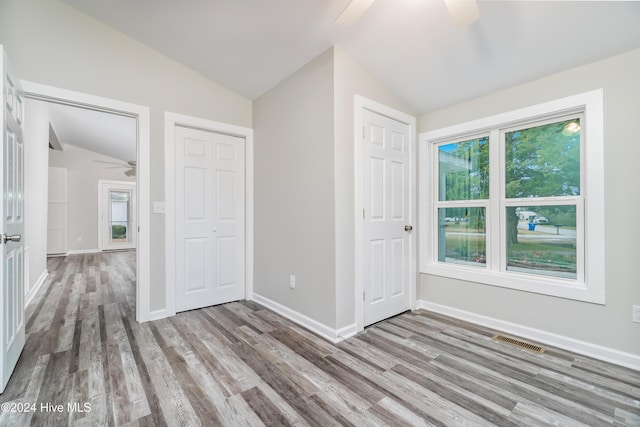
x=363 y=132
x=363 y=296
x=362 y=213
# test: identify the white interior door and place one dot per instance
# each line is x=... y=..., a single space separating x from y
x=387 y=201
x=117 y=210
x=210 y=218
x=57 y=212
x=12 y=211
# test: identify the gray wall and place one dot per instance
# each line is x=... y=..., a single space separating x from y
x=51 y=43
x=606 y=325
x=294 y=191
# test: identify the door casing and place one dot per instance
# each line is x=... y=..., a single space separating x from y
x=171 y=120
x=360 y=105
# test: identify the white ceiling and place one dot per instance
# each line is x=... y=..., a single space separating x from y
x=109 y=134
x=411 y=46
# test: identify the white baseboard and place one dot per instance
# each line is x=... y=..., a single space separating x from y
x=83 y=251
x=36 y=286
x=326 y=332
x=346 y=332
x=606 y=354
x=75 y=252
x=157 y=315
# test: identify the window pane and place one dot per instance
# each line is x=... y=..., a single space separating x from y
x=462 y=236
x=463 y=170
x=542 y=240
x=120 y=218
x=543 y=161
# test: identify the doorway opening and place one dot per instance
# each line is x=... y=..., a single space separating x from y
x=112 y=166
x=116 y=215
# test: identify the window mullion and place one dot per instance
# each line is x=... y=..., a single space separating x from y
x=494 y=211
x=580 y=239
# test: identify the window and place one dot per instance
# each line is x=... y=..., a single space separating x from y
x=463 y=193
x=516 y=200
x=120 y=216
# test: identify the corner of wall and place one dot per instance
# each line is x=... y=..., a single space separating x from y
x=295 y=192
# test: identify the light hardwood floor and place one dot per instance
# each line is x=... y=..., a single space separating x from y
x=241 y=364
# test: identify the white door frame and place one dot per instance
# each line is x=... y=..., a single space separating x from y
x=110 y=184
x=142 y=115
x=361 y=104
x=171 y=120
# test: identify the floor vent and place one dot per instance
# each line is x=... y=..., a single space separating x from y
x=519 y=343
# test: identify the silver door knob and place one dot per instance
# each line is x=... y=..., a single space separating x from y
x=408 y=227
x=13 y=238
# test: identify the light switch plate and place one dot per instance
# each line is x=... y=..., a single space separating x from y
x=158 y=207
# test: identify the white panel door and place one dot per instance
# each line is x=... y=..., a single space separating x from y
x=57 y=212
x=387 y=214
x=210 y=218
x=12 y=211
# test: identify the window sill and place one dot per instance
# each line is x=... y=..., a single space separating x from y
x=569 y=289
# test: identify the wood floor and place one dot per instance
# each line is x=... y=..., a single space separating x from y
x=241 y=364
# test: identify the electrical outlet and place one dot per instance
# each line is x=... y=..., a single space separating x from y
x=292 y=281
x=635 y=316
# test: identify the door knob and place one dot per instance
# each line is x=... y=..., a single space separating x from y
x=408 y=227
x=12 y=238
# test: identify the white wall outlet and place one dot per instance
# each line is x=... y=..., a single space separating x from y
x=292 y=281
x=635 y=316
x=158 y=207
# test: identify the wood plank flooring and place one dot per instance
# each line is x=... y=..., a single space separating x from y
x=240 y=364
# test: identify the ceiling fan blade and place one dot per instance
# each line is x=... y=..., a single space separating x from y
x=353 y=12
x=109 y=163
x=463 y=12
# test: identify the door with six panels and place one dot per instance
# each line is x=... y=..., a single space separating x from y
x=210 y=218
x=387 y=217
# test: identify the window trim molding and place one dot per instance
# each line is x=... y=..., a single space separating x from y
x=592 y=289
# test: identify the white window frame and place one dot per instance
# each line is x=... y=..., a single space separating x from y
x=590 y=286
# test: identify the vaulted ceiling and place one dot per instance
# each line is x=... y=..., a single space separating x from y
x=109 y=134
x=411 y=46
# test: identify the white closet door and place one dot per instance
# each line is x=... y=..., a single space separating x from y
x=210 y=218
